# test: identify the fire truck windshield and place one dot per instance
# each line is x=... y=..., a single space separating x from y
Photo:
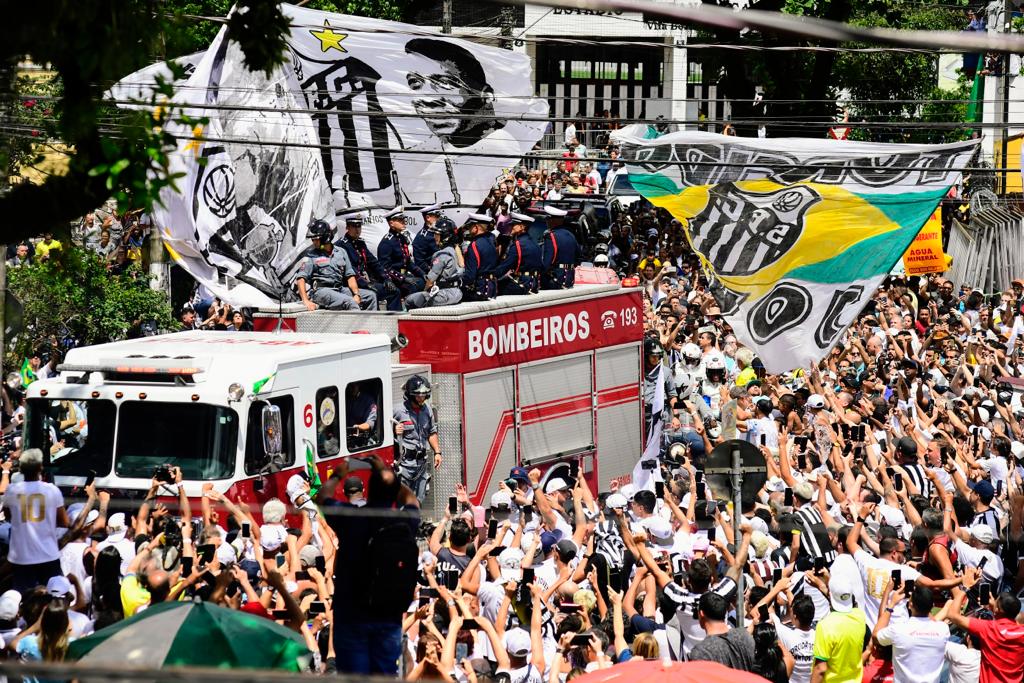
x=199 y=438
x=76 y=436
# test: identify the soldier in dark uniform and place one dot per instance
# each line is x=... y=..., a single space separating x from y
x=424 y=246
x=395 y=257
x=481 y=257
x=326 y=278
x=559 y=252
x=519 y=272
x=368 y=271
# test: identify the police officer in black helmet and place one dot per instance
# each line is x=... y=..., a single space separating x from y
x=418 y=450
x=653 y=370
x=326 y=278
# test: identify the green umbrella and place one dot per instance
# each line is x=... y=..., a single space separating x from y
x=194 y=634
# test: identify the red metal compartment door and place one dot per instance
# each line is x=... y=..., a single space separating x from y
x=489 y=400
x=619 y=442
x=556 y=408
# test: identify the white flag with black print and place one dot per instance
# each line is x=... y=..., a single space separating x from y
x=644 y=477
x=363 y=116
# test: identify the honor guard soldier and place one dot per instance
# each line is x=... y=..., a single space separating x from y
x=368 y=271
x=326 y=278
x=519 y=272
x=416 y=437
x=559 y=252
x=423 y=245
x=478 y=282
x=395 y=257
x=444 y=279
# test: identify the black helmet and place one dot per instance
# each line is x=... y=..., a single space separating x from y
x=417 y=386
x=319 y=229
x=652 y=347
x=445 y=227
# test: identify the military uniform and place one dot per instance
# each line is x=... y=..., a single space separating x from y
x=559 y=254
x=369 y=274
x=415 y=459
x=423 y=249
x=519 y=273
x=326 y=276
x=481 y=257
x=446 y=275
x=400 y=270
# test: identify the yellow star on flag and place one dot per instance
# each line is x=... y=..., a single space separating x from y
x=196 y=142
x=329 y=38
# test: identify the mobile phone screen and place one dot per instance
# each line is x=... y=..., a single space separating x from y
x=700 y=491
x=453 y=505
x=897 y=578
x=776 y=575
x=985 y=593
x=698 y=476
x=787 y=497
x=659 y=489
x=246 y=529
x=280 y=559
x=492 y=529
x=186 y=566
x=712 y=532
x=91 y=478
x=764 y=439
x=897 y=481
x=320 y=563
x=763 y=612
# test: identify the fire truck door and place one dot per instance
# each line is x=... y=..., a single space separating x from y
x=489 y=428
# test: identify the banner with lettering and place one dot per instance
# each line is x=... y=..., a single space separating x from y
x=795 y=234
x=364 y=115
x=925 y=254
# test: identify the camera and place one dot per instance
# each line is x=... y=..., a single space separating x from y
x=164 y=473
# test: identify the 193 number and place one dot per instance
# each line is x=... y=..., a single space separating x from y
x=628 y=316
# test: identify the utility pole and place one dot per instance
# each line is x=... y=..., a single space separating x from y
x=446 y=16
x=1004 y=96
x=508 y=18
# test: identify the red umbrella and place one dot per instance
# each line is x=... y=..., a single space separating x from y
x=654 y=671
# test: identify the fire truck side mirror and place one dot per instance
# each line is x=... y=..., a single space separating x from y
x=272 y=430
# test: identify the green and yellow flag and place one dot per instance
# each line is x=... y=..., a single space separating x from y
x=27 y=374
x=795 y=234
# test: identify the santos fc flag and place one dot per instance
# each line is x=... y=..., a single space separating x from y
x=796 y=234
x=363 y=116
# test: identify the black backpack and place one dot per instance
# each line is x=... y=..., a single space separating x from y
x=392 y=567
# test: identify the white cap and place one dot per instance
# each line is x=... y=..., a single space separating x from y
x=479 y=218
x=398 y=211
x=555 y=485
x=272 y=536
x=517 y=642
x=10 y=603
x=840 y=589
x=298 y=492
x=775 y=485
x=433 y=208
x=59 y=586
x=117 y=527
x=616 y=501
x=509 y=563
x=815 y=401
x=659 y=530
x=501 y=499
x=627 y=491
x=555 y=211
x=983 y=533
x=520 y=218
x=1017 y=448
x=226 y=554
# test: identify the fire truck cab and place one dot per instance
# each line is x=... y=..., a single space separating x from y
x=535 y=380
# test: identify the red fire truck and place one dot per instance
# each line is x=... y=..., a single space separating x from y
x=532 y=380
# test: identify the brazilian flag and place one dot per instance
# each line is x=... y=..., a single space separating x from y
x=795 y=235
x=27 y=374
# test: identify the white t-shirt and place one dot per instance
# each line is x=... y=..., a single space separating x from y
x=918 y=648
x=33 y=513
x=964 y=663
x=71 y=559
x=875 y=572
x=801 y=645
x=845 y=565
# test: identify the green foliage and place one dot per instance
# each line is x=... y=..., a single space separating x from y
x=29 y=121
x=73 y=294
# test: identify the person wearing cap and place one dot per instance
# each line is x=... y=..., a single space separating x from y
x=326 y=278
x=35 y=509
x=424 y=245
x=354 y=491
x=481 y=260
x=445 y=270
x=559 y=252
x=60 y=588
x=973 y=548
x=369 y=274
x=1000 y=639
x=982 y=493
x=839 y=637
x=395 y=255
x=519 y=272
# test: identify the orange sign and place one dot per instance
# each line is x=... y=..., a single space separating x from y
x=925 y=254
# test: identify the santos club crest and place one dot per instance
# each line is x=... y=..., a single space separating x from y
x=740 y=232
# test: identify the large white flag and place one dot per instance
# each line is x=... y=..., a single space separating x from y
x=364 y=115
x=644 y=477
x=796 y=234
